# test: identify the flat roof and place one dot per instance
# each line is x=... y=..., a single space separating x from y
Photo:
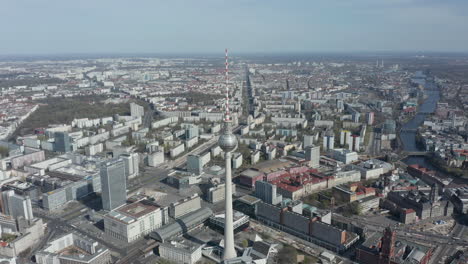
x=137 y=209
x=249 y=199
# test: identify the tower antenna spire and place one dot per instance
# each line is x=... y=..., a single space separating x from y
x=227 y=114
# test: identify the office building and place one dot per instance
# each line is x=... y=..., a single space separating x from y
x=62 y=142
x=191 y=131
x=16 y=205
x=131 y=162
x=194 y=164
x=311 y=229
x=73 y=249
x=136 y=110
x=184 y=206
x=267 y=192
x=217 y=193
x=312 y=155
x=133 y=221
x=155 y=159
x=113 y=184
x=185 y=251
x=344 y=155
x=308 y=141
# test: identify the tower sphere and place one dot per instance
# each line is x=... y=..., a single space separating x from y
x=227 y=142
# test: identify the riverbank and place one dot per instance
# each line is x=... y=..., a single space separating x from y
x=450 y=171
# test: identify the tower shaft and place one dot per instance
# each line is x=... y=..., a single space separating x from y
x=229 y=250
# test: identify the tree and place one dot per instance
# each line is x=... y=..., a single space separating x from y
x=245 y=243
x=3 y=151
x=352 y=209
x=310 y=260
x=287 y=255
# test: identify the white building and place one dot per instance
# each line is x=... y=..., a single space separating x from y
x=62 y=250
x=92 y=150
x=131 y=162
x=185 y=206
x=344 y=155
x=181 y=252
x=312 y=155
x=328 y=142
x=156 y=159
x=217 y=193
x=136 y=110
x=133 y=221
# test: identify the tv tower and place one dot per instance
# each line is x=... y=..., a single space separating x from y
x=228 y=142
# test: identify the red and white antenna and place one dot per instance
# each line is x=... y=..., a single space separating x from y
x=227 y=114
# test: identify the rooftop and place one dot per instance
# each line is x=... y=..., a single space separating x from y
x=138 y=209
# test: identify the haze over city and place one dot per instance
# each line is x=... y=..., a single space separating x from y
x=248 y=26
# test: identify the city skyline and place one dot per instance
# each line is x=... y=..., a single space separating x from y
x=116 y=27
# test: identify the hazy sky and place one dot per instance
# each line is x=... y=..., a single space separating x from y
x=156 y=26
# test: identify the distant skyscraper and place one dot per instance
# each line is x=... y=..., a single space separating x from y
x=308 y=141
x=345 y=137
x=356 y=116
x=62 y=142
x=339 y=104
x=312 y=155
x=267 y=192
x=370 y=118
x=136 y=110
x=113 y=184
x=355 y=143
x=328 y=141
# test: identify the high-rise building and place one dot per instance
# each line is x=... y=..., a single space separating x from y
x=136 y=110
x=194 y=164
x=16 y=205
x=356 y=116
x=345 y=137
x=328 y=141
x=370 y=118
x=339 y=104
x=191 y=131
x=267 y=192
x=113 y=184
x=131 y=162
x=308 y=141
x=355 y=143
x=312 y=155
x=62 y=142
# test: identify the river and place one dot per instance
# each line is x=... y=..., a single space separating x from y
x=408 y=138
